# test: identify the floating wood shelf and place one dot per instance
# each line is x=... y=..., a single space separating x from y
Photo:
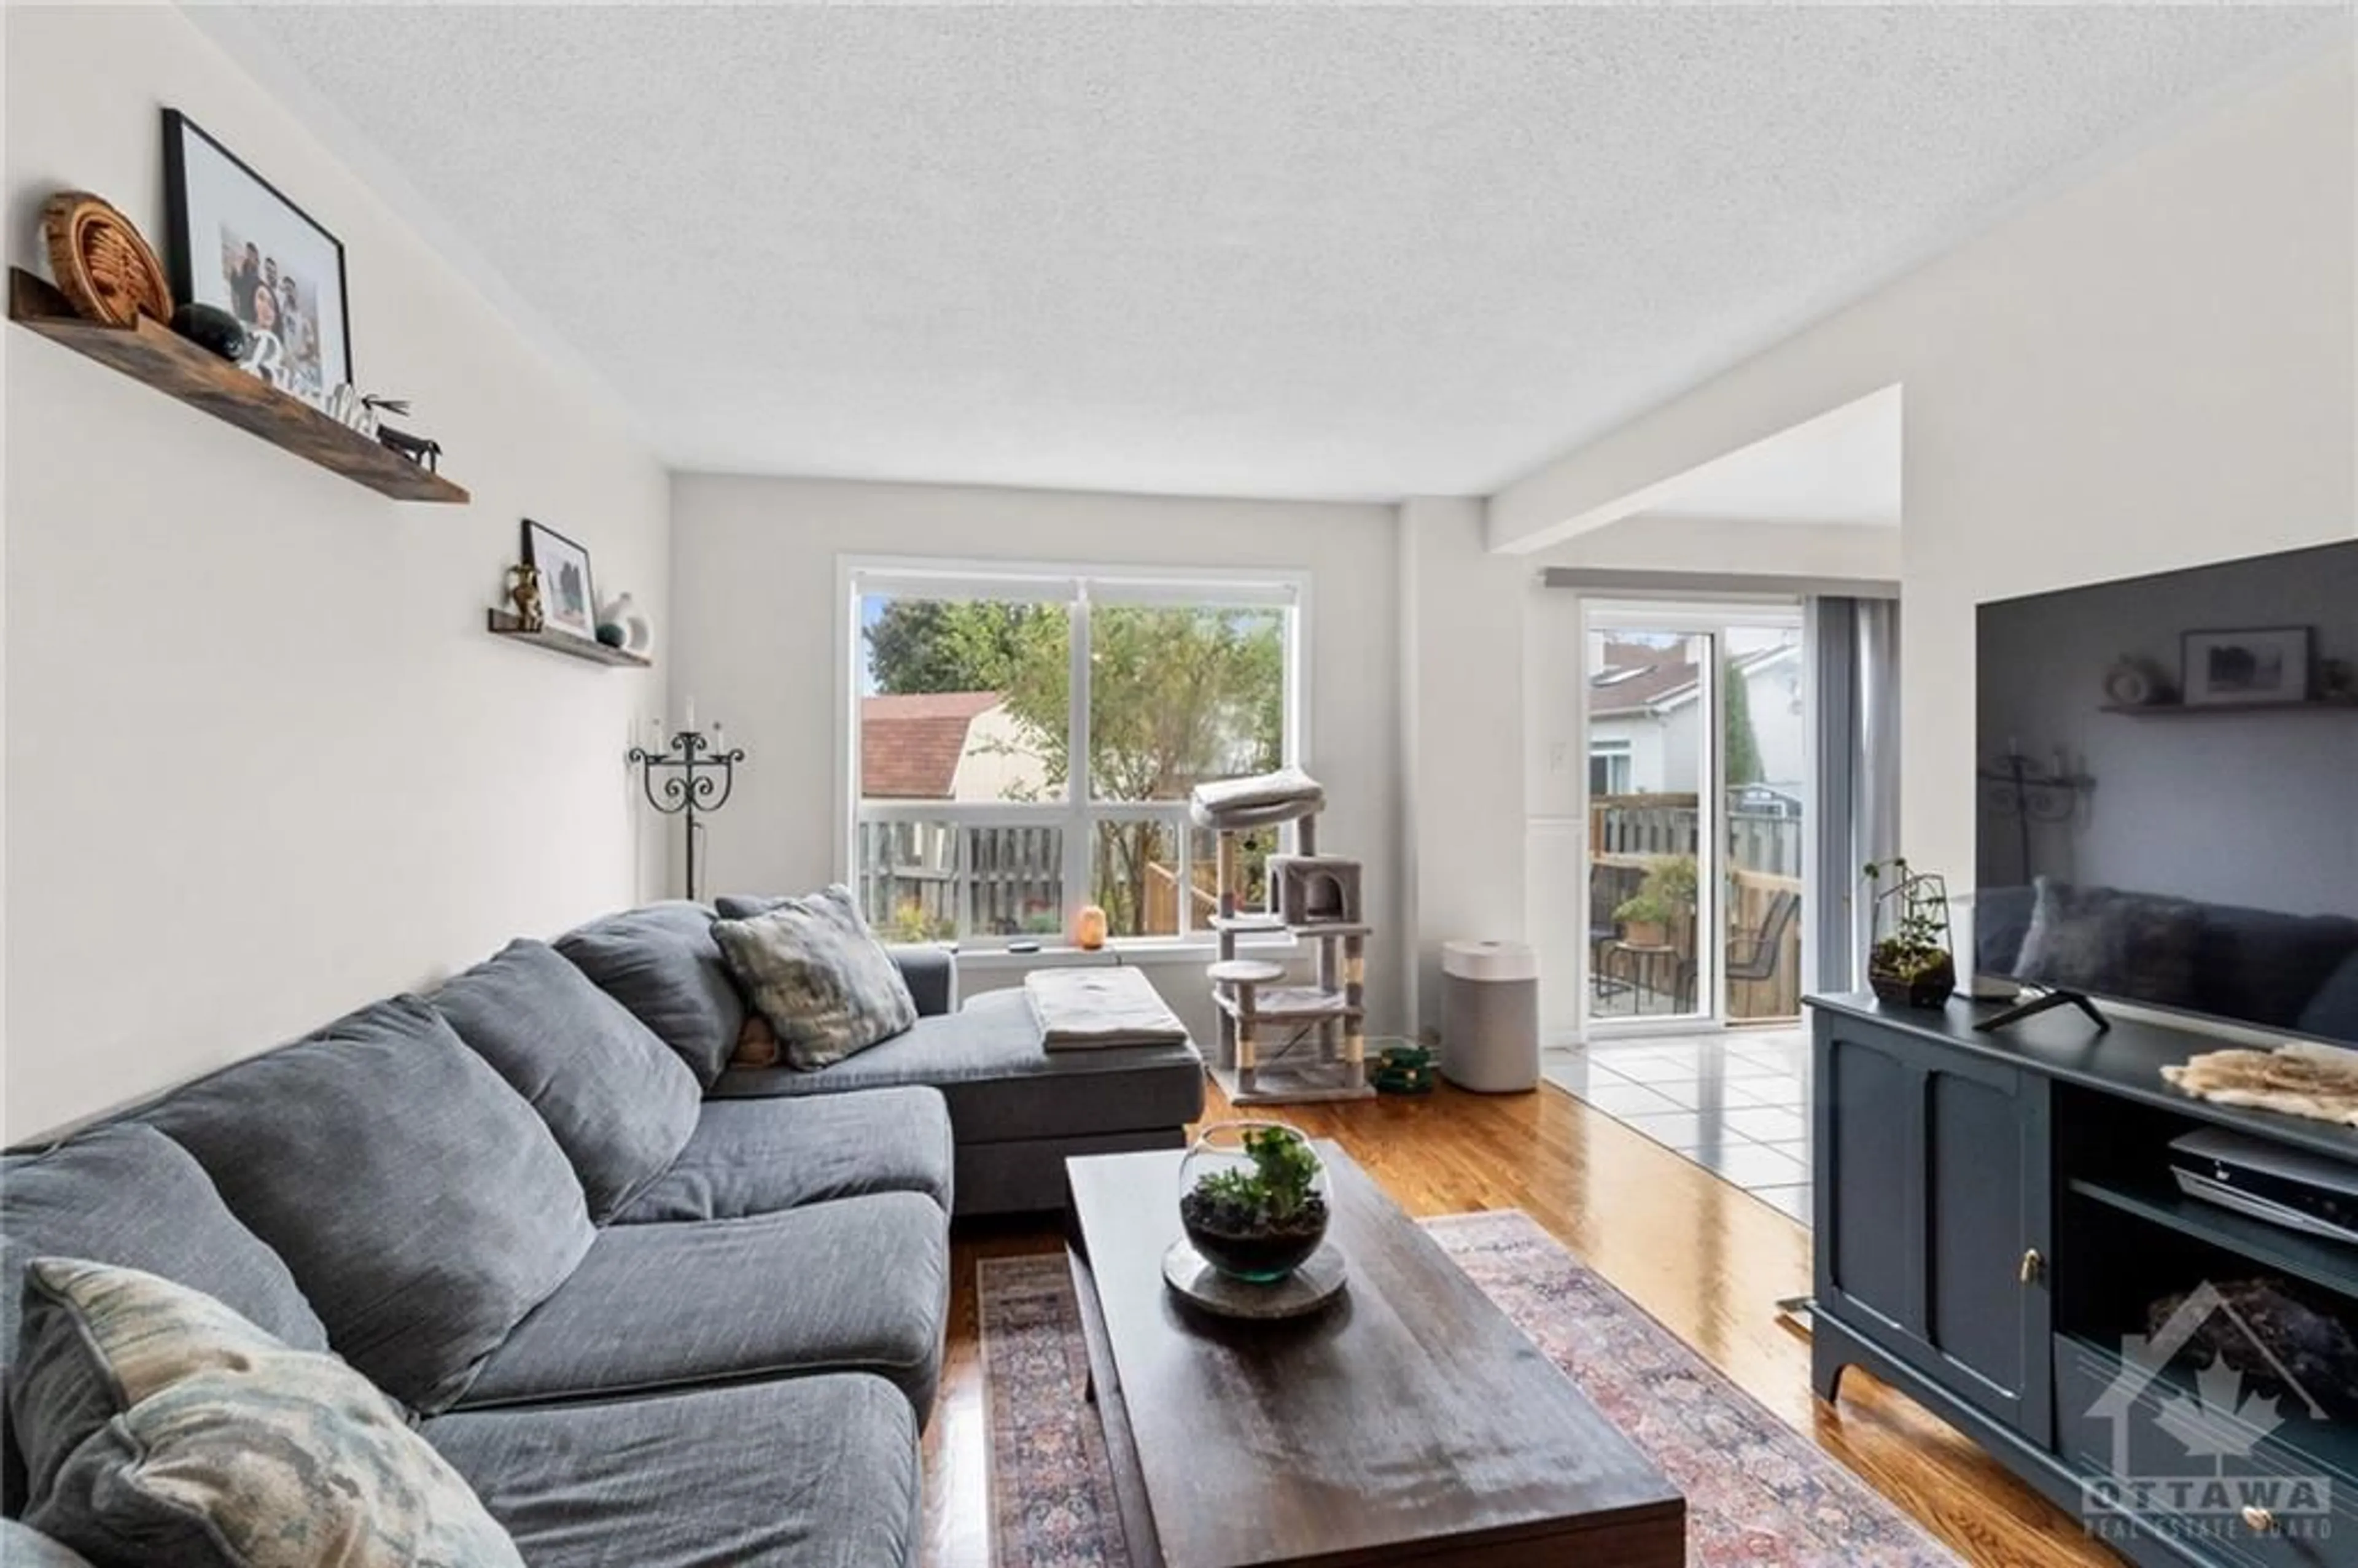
x=152 y=352
x=2197 y=709
x=502 y=623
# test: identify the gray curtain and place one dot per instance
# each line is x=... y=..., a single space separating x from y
x=1854 y=648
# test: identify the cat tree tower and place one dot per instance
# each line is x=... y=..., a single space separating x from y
x=1282 y=1042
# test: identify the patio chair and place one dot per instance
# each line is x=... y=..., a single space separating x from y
x=1754 y=955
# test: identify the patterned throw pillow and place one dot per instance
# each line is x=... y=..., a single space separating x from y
x=813 y=968
x=227 y=1449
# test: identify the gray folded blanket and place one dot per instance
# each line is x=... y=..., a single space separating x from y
x=1082 y=1009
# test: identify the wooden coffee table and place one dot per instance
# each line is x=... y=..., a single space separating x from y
x=1409 y=1421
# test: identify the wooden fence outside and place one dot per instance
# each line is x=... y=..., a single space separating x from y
x=909 y=879
x=910 y=875
x=1629 y=834
x=1761 y=837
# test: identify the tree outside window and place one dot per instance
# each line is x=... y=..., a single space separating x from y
x=1174 y=695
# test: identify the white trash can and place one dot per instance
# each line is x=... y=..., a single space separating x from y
x=1490 y=1016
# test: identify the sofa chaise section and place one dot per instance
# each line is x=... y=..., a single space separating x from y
x=1017 y=1111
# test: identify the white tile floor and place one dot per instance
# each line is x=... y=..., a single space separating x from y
x=1736 y=1102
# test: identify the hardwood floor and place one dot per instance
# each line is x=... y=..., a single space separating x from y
x=1704 y=1257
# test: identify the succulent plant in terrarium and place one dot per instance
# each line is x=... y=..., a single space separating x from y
x=1910 y=963
x=1252 y=1196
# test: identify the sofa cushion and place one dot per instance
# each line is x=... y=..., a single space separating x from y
x=2267 y=967
x=759 y=1156
x=814 y=1473
x=662 y=963
x=858 y=1286
x=418 y=1201
x=225 y=1448
x=129 y=1195
x=22 y=1546
x=814 y=969
x=620 y=1103
x=2332 y=1012
x=1000 y=1085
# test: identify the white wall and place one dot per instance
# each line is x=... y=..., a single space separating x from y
x=2151 y=370
x=264 y=763
x=753 y=569
x=1460 y=663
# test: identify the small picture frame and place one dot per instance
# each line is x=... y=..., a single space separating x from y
x=2246 y=667
x=234 y=241
x=568 y=599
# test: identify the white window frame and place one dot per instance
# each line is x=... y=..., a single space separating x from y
x=1078 y=587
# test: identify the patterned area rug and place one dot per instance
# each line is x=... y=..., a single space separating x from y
x=1759 y=1494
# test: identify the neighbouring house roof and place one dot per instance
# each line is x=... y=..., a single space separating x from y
x=910 y=746
x=1637 y=678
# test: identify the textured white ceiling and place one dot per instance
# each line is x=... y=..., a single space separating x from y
x=1285 y=251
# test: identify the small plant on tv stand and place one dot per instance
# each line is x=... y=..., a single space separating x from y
x=1910 y=963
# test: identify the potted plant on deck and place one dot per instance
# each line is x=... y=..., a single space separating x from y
x=1663 y=901
x=1909 y=964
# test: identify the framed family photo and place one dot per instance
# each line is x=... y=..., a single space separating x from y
x=2267 y=664
x=236 y=241
x=568 y=603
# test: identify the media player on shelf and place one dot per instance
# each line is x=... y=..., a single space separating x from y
x=2292 y=1187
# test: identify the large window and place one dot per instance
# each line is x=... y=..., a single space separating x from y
x=1024 y=742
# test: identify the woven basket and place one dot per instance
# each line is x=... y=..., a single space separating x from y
x=102 y=266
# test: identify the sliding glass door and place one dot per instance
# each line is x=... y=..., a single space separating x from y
x=1696 y=797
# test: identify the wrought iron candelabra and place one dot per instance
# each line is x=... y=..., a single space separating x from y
x=692 y=775
x=2034 y=792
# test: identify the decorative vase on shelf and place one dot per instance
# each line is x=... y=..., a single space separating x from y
x=1253 y=1199
x=631 y=631
x=524 y=592
x=1089 y=928
x=1910 y=963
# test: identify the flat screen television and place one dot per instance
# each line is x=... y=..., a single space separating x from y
x=2167 y=792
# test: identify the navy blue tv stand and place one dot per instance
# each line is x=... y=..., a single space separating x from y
x=1995 y=1214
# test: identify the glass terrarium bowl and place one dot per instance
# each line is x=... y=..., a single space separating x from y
x=1253 y=1199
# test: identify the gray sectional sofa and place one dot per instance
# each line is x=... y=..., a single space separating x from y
x=657 y=1311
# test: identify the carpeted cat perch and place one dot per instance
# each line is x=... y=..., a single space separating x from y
x=1284 y=1042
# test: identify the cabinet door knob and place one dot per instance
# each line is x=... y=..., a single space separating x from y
x=2260 y=1519
x=2032 y=1265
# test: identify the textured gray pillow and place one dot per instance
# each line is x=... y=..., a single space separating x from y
x=128 y=1195
x=2111 y=943
x=662 y=964
x=620 y=1103
x=226 y=1449
x=812 y=967
x=418 y=1201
